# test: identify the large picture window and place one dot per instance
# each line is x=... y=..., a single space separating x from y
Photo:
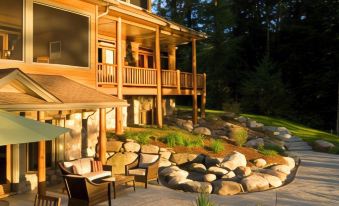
x=60 y=37
x=11 y=29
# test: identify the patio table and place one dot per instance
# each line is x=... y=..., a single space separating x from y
x=119 y=180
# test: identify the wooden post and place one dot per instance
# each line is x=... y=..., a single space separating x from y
x=102 y=135
x=149 y=5
x=171 y=57
x=178 y=82
x=194 y=72
x=158 y=68
x=203 y=99
x=118 y=112
x=41 y=160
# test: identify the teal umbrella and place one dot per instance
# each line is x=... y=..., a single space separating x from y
x=16 y=130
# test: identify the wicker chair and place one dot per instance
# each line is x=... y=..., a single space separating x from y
x=142 y=170
x=81 y=191
x=44 y=200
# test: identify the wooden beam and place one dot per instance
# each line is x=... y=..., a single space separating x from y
x=149 y=5
x=194 y=72
x=118 y=111
x=171 y=57
x=158 y=68
x=41 y=160
x=102 y=135
x=203 y=99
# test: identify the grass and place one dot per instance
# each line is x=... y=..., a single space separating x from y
x=217 y=146
x=140 y=137
x=267 y=151
x=177 y=139
x=306 y=133
x=203 y=200
x=239 y=135
x=210 y=113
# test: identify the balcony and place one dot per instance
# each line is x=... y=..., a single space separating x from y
x=147 y=78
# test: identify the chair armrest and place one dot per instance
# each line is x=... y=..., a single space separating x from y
x=63 y=170
x=107 y=168
x=98 y=190
x=152 y=169
x=131 y=166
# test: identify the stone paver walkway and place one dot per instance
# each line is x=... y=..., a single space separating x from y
x=317 y=183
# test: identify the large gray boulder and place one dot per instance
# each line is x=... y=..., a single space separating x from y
x=179 y=158
x=322 y=146
x=226 y=187
x=197 y=167
x=282 y=176
x=260 y=163
x=212 y=161
x=255 y=143
x=195 y=186
x=289 y=162
x=150 y=149
x=202 y=131
x=175 y=181
x=217 y=171
x=132 y=147
x=243 y=171
x=210 y=177
x=236 y=159
x=272 y=180
x=114 y=146
x=282 y=168
x=255 y=183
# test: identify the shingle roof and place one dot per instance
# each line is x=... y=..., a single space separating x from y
x=66 y=93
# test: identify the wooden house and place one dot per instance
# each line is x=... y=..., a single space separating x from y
x=89 y=65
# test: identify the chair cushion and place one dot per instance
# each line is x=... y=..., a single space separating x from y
x=86 y=166
x=147 y=159
x=96 y=175
x=71 y=166
x=97 y=166
x=140 y=172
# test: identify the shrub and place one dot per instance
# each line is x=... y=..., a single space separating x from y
x=140 y=137
x=274 y=147
x=239 y=135
x=204 y=200
x=334 y=150
x=217 y=146
x=198 y=142
x=174 y=139
x=267 y=152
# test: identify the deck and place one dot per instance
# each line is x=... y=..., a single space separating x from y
x=138 y=81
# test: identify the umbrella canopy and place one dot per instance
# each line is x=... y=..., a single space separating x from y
x=16 y=130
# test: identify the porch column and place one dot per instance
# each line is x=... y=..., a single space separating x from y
x=118 y=111
x=171 y=57
x=41 y=160
x=194 y=72
x=203 y=99
x=158 y=68
x=102 y=135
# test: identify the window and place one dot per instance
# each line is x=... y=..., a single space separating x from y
x=60 y=37
x=11 y=29
x=140 y=3
x=3 y=160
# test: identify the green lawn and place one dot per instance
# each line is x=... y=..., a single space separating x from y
x=306 y=133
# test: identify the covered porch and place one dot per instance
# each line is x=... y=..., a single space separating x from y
x=45 y=98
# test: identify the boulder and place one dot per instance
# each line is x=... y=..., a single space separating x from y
x=284 y=136
x=255 y=143
x=197 y=158
x=229 y=176
x=226 y=187
x=260 y=163
x=272 y=180
x=210 y=177
x=212 y=161
x=195 y=186
x=119 y=160
x=150 y=149
x=202 y=131
x=255 y=183
x=217 y=171
x=187 y=126
x=242 y=171
x=168 y=170
x=241 y=119
x=132 y=147
x=282 y=176
x=175 y=181
x=197 y=167
x=179 y=158
x=282 y=168
x=289 y=162
x=164 y=162
x=236 y=159
x=165 y=154
x=114 y=146
x=322 y=146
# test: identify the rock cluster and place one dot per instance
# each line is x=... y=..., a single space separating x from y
x=224 y=176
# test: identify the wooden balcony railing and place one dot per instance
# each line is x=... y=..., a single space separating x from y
x=135 y=76
x=107 y=74
x=144 y=77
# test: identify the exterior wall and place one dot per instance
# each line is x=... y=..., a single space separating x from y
x=141 y=110
x=85 y=75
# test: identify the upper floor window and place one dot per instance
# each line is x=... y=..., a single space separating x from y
x=60 y=37
x=140 y=3
x=11 y=29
